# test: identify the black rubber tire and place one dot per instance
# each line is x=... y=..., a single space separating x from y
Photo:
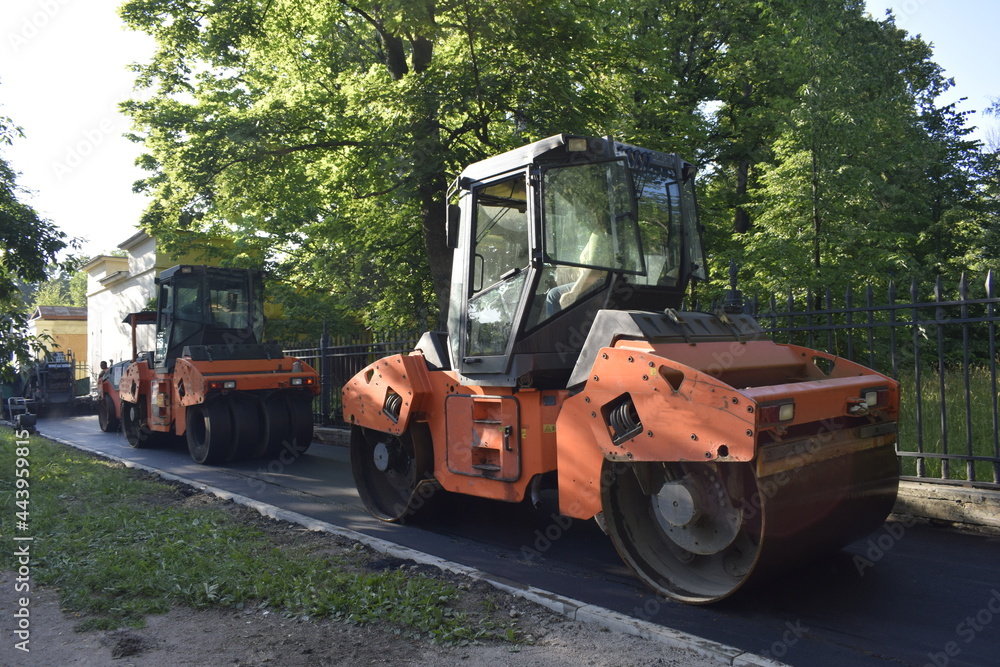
x=403 y=489
x=278 y=423
x=300 y=411
x=106 y=416
x=210 y=433
x=137 y=435
x=648 y=549
x=249 y=425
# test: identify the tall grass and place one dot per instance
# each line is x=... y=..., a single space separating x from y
x=966 y=428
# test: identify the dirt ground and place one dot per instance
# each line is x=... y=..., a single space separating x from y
x=256 y=636
x=216 y=637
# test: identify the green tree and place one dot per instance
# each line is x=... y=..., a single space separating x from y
x=863 y=165
x=52 y=292
x=318 y=138
x=28 y=244
x=63 y=286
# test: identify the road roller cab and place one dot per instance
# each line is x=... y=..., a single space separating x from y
x=211 y=378
x=708 y=453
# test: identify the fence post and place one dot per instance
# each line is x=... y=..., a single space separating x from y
x=939 y=315
x=990 y=295
x=326 y=374
x=918 y=391
x=963 y=293
x=892 y=330
x=831 y=336
x=870 y=307
x=849 y=311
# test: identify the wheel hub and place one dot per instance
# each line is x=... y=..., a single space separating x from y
x=675 y=503
x=696 y=513
x=382 y=456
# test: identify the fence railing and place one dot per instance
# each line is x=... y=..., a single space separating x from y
x=939 y=343
x=339 y=359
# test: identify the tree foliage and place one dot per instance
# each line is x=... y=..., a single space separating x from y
x=318 y=139
x=28 y=244
x=62 y=287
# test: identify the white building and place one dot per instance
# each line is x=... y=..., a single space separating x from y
x=117 y=286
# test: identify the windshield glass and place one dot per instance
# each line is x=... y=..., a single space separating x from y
x=212 y=309
x=499 y=263
x=228 y=302
x=658 y=192
x=693 y=232
x=589 y=219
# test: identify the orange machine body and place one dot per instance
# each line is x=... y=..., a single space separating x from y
x=492 y=441
x=212 y=378
x=195 y=382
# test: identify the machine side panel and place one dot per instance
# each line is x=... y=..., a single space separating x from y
x=388 y=394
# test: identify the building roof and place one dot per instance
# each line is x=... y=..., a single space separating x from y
x=103 y=259
x=134 y=240
x=59 y=313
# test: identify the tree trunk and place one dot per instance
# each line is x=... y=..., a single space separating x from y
x=432 y=182
x=432 y=214
x=741 y=223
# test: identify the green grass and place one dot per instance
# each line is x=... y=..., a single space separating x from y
x=956 y=426
x=120 y=545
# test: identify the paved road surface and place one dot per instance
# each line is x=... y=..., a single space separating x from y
x=908 y=595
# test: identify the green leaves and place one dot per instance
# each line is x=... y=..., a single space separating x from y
x=847 y=172
x=28 y=244
x=318 y=139
x=291 y=133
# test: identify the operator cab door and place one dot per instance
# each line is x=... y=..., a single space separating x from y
x=499 y=268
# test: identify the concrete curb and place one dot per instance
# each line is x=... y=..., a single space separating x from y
x=961 y=505
x=572 y=609
x=330 y=435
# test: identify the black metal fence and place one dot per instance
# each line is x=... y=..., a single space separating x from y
x=938 y=341
x=338 y=359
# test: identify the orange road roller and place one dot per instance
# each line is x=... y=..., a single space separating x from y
x=211 y=378
x=709 y=454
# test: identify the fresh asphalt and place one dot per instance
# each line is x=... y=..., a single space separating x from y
x=907 y=595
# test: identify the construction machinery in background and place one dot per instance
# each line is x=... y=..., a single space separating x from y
x=709 y=454
x=109 y=400
x=211 y=377
x=50 y=384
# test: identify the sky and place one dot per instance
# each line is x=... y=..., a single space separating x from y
x=64 y=70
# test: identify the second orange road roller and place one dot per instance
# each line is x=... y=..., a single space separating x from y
x=709 y=454
x=211 y=378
